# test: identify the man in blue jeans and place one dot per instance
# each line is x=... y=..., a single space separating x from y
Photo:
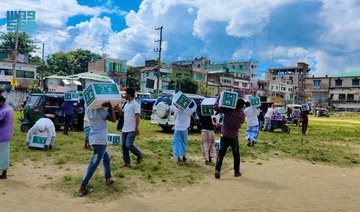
x=130 y=129
x=98 y=140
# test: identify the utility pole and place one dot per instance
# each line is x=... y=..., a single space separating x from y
x=15 y=51
x=159 y=59
x=42 y=83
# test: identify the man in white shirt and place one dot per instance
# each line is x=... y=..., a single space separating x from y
x=130 y=129
x=268 y=115
x=44 y=127
x=252 y=129
x=180 y=138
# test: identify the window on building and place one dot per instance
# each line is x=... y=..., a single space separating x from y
x=316 y=83
x=178 y=75
x=274 y=78
x=342 y=96
x=331 y=96
x=272 y=87
x=198 y=76
x=350 y=97
x=244 y=85
x=240 y=66
x=147 y=74
x=290 y=78
x=233 y=67
x=338 y=82
x=355 y=82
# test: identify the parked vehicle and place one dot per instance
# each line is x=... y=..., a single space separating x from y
x=39 y=104
x=146 y=107
x=279 y=122
x=164 y=109
x=321 y=112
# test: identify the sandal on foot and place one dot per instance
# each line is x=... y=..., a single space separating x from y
x=85 y=192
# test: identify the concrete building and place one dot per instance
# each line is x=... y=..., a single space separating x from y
x=25 y=72
x=285 y=78
x=148 y=74
x=344 y=91
x=317 y=88
x=114 y=68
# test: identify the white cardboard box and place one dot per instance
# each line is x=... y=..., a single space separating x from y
x=114 y=139
x=228 y=99
x=305 y=107
x=98 y=93
x=181 y=100
x=37 y=141
x=207 y=106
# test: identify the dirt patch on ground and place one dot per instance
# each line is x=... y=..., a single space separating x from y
x=272 y=186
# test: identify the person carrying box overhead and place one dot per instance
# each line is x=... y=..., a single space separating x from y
x=43 y=127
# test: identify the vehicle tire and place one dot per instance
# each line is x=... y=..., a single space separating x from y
x=25 y=127
x=162 y=110
x=166 y=128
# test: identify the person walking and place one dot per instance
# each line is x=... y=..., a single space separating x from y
x=268 y=115
x=252 y=129
x=98 y=139
x=233 y=118
x=130 y=128
x=68 y=109
x=6 y=131
x=207 y=138
x=180 y=137
x=304 y=121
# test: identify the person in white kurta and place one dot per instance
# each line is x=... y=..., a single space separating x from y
x=44 y=127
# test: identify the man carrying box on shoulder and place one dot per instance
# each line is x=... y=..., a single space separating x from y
x=233 y=118
x=98 y=139
x=43 y=127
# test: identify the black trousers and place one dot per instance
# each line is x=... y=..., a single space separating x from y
x=67 y=123
x=304 y=127
x=224 y=145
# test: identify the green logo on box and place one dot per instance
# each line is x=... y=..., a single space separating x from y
x=39 y=140
x=106 y=88
x=89 y=96
x=207 y=110
x=183 y=101
x=255 y=101
x=229 y=99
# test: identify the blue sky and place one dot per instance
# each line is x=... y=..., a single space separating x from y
x=323 y=33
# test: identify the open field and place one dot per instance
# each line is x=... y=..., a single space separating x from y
x=324 y=161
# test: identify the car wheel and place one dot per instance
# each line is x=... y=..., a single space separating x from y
x=166 y=128
x=25 y=127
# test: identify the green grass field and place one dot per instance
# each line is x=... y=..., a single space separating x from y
x=334 y=141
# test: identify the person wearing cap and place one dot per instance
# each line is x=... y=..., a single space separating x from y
x=6 y=131
x=43 y=127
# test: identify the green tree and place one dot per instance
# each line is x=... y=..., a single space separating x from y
x=60 y=62
x=187 y=85
x=81 y=59
x=35 y=60
x=204 y=90
x=25 y=44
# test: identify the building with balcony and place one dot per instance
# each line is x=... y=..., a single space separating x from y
x=114 y=68
x=25 y=72
x=318 y=90
x=344 y=91
x=282 y=79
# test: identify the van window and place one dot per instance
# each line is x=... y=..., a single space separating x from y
x=166 y=99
